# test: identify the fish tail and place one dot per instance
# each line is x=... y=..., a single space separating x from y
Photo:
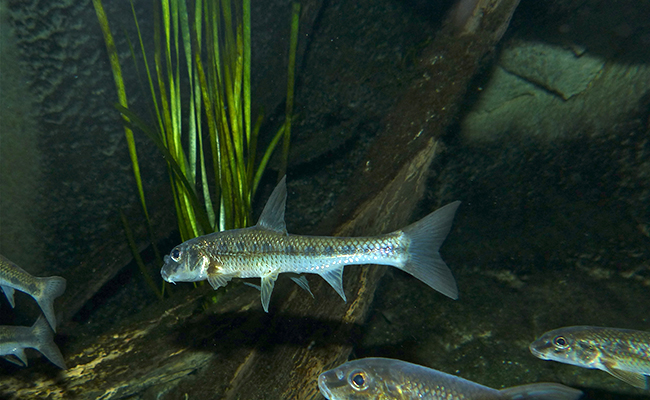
x=52 y=287
x=45 y=343
x=541 y=391
x=424 y=261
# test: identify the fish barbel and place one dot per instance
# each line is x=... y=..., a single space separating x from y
x=388 y=379
x=624 y=353
x=44 y=290
x=266 y=250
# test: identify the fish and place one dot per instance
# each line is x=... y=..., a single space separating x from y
x=43 y=289
x=623 y=353
x=386 y=379
x=266 y=249
x=15 y=339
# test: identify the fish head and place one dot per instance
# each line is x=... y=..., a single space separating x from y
x=366 y=378
x=566 y=345
x=185 y=263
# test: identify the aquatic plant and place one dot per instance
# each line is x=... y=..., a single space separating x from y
x=202 y=55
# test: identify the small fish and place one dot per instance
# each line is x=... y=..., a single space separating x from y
x=15 y=339
x=43 y=290
x=385 y=379
x=623 y=353
x=266 y=250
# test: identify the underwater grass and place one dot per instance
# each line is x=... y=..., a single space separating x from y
x=201 y=72
x=122 y=98
x=136 y=255
x=293 y=45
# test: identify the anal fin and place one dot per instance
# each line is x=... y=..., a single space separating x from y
x=9 y=293
x=258 y=287
x=301 y=280
x=17 y=356
x=334 y=277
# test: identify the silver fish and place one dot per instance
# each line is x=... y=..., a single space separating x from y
x=15 y=339
x=387 y=379
x=266 y=250
x=43 y=290
x=623 y=353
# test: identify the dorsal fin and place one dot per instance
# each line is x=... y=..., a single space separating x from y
x=272 y=217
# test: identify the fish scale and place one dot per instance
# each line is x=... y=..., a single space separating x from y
x=249 y=254
x=267 y=250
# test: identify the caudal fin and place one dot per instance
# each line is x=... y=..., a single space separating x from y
x=541 y=391
x=52 y=287
x=45 y=343
x=426 y=237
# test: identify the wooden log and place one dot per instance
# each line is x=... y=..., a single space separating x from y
x=432 y=101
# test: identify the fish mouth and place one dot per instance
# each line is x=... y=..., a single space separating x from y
x=322 y=385
x=537 y=353
x=166 y=277
x=166 y=271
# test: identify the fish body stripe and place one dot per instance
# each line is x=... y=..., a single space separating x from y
x=254 y=252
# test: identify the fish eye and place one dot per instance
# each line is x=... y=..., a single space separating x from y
x=176 y=254
x=358 y=380
x=560 y=342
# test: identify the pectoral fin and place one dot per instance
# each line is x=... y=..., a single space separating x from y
x=334 y=277
x=633 y=378
x=219 y=280
x=9 y=292
x=268 y=281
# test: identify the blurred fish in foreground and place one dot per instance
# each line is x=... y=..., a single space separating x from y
x=385 y=378
x=266 y=250
x=43 y=290
x=623 y=353
x=15 y=339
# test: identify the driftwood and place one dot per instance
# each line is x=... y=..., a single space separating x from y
x=232 y=350
x=432 y=102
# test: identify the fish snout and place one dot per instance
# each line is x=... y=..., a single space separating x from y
x=539 y=349
x=167 y=270
x=322 y=385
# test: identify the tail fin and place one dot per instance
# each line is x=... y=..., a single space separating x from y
x=44 y=343
x=52 y=287
x=424 y=262
x=541 y=391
